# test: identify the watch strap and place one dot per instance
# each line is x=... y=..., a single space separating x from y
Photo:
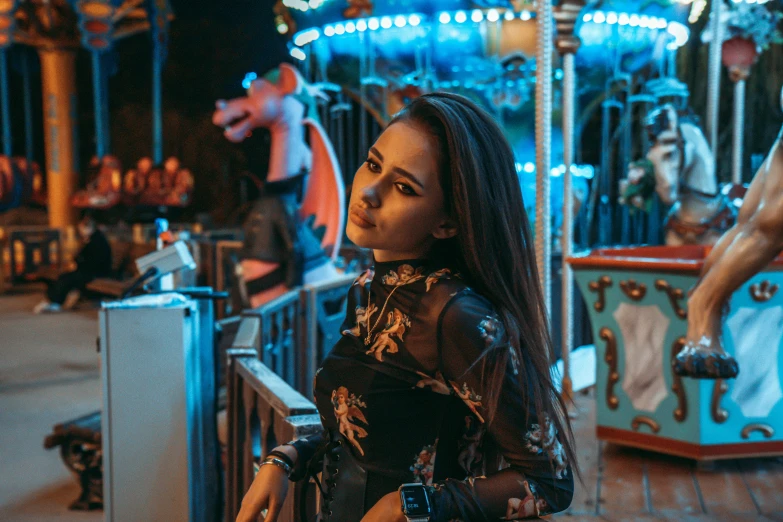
x=419 y=519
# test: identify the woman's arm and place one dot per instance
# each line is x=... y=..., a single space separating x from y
x=538 y=479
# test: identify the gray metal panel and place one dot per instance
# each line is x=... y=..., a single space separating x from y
x=146 y=353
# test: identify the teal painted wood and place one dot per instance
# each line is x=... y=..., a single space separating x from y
x=752 y=327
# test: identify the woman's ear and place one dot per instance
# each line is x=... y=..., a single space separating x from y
x=447 y=229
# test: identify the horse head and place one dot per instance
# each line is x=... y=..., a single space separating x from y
x=270 y=100
x=680 y=155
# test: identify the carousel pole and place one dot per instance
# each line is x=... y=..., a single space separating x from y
x=157 y=108
x=5 y=86
x=567 y=44
x=738 y=131
x=543 y=239
x=713 y=82
x=98 y=103
x=28 y=107
x=58 y=76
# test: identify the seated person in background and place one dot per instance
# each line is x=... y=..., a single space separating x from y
x=93 y=260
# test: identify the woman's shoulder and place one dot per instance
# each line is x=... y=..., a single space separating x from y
x=459 y=305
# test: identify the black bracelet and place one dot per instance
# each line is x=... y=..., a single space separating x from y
x=282 y=456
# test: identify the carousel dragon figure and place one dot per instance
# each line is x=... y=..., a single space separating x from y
x=749 y=246
x=280 y=248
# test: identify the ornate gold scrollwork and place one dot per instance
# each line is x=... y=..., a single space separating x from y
x=681 y=412
x=719 y=415
x=766 y=430
x=674 y=294
x=763 y=292
x=635 y=291
x=647 y=421
x=600 y=288
x=611 y=359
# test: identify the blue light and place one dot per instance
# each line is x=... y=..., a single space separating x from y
x=599 y=17
x=444 y=18
x=477 y=16
x=493 y=15
x=339 y=29
x=529 y=167
x=509 y=15
x=525 y=15
x=373 y=24
x=350 y=27
x=558 y=74
x=611 y=18
x=361 y=26
x=400 y=21
x=248 y=80
x=587 y=17
x=386 y=22
x=298 y=53
x=414 y=20
x=328 y=30
x=460 y=17
x=623 y=19
x=634 y=20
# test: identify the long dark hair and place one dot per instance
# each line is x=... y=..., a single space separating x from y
x=493 y=248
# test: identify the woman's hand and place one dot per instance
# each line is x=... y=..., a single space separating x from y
x=268 y=491
x=387 y=509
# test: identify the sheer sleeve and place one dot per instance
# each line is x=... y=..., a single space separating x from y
x=306 y=449
x=537 y=479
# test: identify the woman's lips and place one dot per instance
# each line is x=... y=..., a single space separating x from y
x=360 y=218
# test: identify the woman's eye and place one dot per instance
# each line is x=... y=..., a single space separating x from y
x=374 y=167
x=405 y=189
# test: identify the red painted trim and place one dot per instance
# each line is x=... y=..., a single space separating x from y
x=683 y=259
x=688 y=449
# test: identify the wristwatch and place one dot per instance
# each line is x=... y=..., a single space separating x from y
x=415 y=502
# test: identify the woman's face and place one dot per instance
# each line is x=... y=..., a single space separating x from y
x=396 y=203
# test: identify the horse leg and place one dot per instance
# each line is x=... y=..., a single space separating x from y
x=757 y=241
x=252 y=270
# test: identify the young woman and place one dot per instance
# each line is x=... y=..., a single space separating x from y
x=442 y=375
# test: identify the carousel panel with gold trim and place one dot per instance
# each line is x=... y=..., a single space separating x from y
x=637 y=302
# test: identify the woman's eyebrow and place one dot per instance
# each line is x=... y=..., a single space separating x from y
x=377 y=153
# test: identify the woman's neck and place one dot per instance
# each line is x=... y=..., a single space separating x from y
x=387 y=256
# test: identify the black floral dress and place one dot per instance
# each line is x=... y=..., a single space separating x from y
x=400 y=392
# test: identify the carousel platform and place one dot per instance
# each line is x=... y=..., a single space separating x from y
x=49 y=373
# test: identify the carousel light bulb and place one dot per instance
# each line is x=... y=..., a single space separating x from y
x=644 y=21
x=339 y=29
x=328 y=30
x=414 y=20
x=444 y=18
x=679 y=32
x=373 y=24
x=350 y=27
x=588 y=17
x=529 y=167
x=282 y=28
x=599 y=17
x=634 y=20
x=400 y=21
x=554 y=172
x=493 y=15
x=525 y=15
x=460 y=17
x=476 y=16
x=386 y=22
x=361 y=25
x=298 y=53
x=611 y=18
x=662 y=23
x=509 y=15
x=623 y=19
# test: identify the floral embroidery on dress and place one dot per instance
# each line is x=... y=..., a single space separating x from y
x=395 y=327
x=424 y=466
x=469 y=397
x=532 y=506
x=544 y=440
x=366 y=276
x=469 y=457
x=436 y=384
x=493 y=331
x=434 y=277
x=346 y=409
x=404 y=275
x=363 y=316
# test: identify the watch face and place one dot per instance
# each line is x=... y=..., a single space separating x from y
x=415 y=501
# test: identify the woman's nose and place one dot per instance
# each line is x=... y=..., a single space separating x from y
x=370 y=195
